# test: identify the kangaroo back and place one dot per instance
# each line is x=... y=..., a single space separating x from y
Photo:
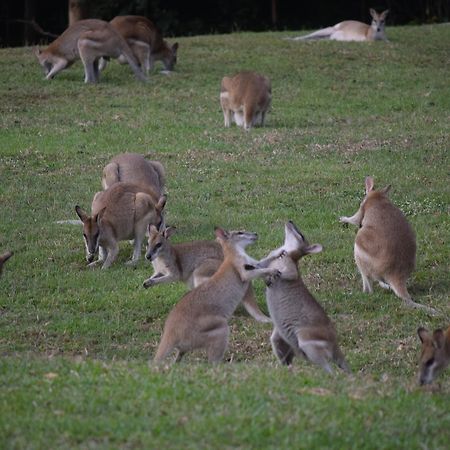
x=3 y=258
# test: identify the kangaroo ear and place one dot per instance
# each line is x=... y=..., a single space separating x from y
x=161 y=202
x=5 y=256
x=81 y=214
x=438 y=338
x=384 y=14
x=373 y=13
x=221 y=234
x=369 y=184
x=37 y=51
x=386 y=189
x=175 y=47
x=169 y=231
x=424 y=335
x=152 y=229
x=315 y=248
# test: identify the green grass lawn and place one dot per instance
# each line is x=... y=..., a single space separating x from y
x=76 y=343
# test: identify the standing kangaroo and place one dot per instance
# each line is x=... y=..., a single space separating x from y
x=385 y=244
x=352 y=30
x=301 y=326
x=3 y=258
x=245 y=98
x=200 y=319
x=134 y=168
x=89 y=40
x=146 y=42
x=122 y=212
x=190 y=262
x=435 y=356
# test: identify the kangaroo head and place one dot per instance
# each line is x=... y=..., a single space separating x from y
x=435 y=354
x=295 y=244
x=235 y=239
x=371 y=193
x=91 y=232
x=44 y=60
x=170 y=56
x=158 y=241
x=378 y=22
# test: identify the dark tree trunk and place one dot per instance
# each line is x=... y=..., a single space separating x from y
x=29 y=34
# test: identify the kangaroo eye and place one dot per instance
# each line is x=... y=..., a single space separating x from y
x=158 y=245
x=429 y=362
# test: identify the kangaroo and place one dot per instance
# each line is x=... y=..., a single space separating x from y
x=134 y=168
x=146 y=42
x=301 y=325
x=191 y=262
x=122 y=212
x=435 y=355
x=385 y=244
x=245 y=98
x=200 y=319
x=352 y=30
x=3 y=258
x=88 y=40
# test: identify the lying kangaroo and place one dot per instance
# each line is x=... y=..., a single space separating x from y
x=88 y=40
x=200 y=319
x=122 y=212
x=435 y=355
x=352 y=30
x=3 y=258
x=191 y=262
x=134 y=168
x=146 y=42
x=245 y=98
x=385 y=244
x=301 y=326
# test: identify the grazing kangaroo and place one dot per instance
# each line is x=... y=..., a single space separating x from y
x=134 y=168
x=200 y=319
x=190 y=262
x=245 y=98
x=385 y=244
x=3 y=258
x=88 y=40
x=301 y=326
x=435 y=355
x=122 y=212
x=352 y=30
x=146 y=42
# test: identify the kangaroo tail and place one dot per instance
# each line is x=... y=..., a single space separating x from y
x=324 y=33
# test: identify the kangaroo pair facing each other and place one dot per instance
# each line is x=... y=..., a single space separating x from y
x=88 y=40
x=122 y=212
x=146 y=42
x=134 y=168
x=435 y=356
x=385 y=244
x=191 y=262
x=352 y=30
x=245 y=98
x=200 y=319
x=301 y=325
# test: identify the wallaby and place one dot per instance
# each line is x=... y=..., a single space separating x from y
x=3 y=258
x=301 y=325
x=385 y=244
x=88 y=40
x=122 y=212
x=245 y=98
x=352 y=30
x=435 y=355
x=200 y=319
x=134 y=168
x=192 y=262
x=146 y=42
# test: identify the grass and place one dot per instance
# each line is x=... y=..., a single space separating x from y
x=75 y=343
